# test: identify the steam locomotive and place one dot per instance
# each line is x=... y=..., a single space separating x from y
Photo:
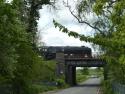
x=49 y=52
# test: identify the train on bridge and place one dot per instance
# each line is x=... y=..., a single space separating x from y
x=49 y=52
x=70 y=57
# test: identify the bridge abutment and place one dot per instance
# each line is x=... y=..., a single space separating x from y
x=70 y=75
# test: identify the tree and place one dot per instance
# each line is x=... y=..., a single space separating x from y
x=18 y=60
x=108 y=22
x=29 y=13
x=12 y=36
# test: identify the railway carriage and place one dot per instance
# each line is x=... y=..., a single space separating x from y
x=49 y=52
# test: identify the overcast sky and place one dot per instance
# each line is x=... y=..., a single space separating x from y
x=51 y=35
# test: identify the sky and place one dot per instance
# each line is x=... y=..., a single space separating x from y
x=51 y=35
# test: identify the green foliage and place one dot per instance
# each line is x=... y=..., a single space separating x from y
x=46 y=71
x=10 y=38
x=44 y=88
x=23 y=76
x=106 y=87
x=85 y=71
x=19 y=62
x=60 y=83
x=81 y=78
x=81 y=75
x=99 y=40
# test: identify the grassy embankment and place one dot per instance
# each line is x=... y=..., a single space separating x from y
x=80 y=77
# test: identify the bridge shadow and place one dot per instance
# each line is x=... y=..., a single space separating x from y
x=88 y=85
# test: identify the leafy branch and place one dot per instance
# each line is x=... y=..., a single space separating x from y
x=105 y=42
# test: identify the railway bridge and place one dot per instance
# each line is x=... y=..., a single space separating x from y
x=70 y=57
x=72 y=63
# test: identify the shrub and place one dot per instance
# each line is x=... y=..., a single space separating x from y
x=106 y=87
x=60 y=83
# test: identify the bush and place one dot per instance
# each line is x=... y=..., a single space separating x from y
x=81 y=78
x=60 y=83
x=106 y=87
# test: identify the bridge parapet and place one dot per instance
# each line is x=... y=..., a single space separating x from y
x=85 y=62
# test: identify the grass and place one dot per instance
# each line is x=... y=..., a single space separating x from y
x=44 y=88
x=41 y=88
x=81 y=78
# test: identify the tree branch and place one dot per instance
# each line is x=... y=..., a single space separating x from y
x=81 y=21
x=78 y=19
